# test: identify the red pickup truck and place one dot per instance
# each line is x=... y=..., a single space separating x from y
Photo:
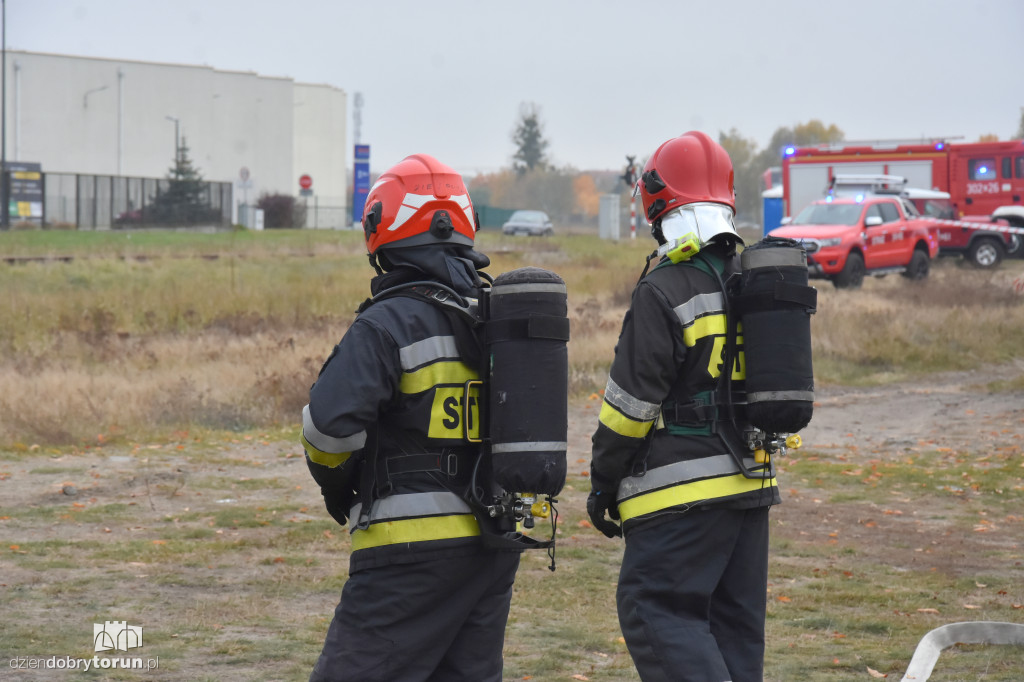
x=847 y=238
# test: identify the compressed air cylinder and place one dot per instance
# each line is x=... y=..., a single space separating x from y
x=775 y=304
x=526 y=334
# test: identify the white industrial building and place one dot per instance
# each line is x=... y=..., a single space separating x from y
x=120 y=118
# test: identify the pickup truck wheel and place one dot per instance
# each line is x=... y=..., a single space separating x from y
x=1015 y=246
x=985 y=253
x=852 y=274
x=918 y=266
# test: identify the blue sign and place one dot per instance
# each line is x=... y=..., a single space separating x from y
x=360 y=181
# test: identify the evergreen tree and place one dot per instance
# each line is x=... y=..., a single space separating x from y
x=184 y=201
x=1020 y=128
x=531 y=147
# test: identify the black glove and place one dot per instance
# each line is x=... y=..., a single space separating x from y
x=336 y=485
x=598 y=503
x=338 y=503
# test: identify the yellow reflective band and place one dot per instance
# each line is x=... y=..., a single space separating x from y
x=621 y=424
x=447 y=412
x=328 y=459
x=687 y=493
x=446 y=372
x=416 y=530
x=708 y=325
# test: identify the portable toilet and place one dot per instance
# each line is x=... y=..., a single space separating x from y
x=772 y=208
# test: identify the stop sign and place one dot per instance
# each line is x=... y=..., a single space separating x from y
x=305 y=182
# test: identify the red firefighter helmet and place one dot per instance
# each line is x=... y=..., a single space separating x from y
x=687 y=170
x=418 y=201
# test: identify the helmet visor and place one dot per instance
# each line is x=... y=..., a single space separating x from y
x=705 y=220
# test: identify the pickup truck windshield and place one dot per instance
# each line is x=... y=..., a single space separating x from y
x=829 y=214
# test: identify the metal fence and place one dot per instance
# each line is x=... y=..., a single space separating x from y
x=326 y=212
x=323 y=213
x=91 y=202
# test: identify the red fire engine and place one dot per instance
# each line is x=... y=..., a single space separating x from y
x=983 y=179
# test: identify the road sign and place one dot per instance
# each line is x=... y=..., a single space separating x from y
x=244 y=173
x=305 y=182
x=361 y=181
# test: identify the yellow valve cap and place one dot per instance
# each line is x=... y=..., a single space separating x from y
x=541 y=510
x=794 y=441
x=760 y=456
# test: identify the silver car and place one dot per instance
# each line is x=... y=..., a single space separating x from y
x=528 y=223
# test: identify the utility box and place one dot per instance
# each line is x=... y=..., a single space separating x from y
x=608 y=218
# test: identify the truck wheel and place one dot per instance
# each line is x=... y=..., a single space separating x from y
x=852 y=274
x=918 y=266
x=985 y=253
x=1015 y=250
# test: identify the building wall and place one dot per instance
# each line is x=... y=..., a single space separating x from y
x=110 y=117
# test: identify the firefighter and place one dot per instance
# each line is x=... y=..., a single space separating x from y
x=385 y=438
x=691 y=594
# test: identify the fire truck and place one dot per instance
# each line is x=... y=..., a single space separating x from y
x=983 y=179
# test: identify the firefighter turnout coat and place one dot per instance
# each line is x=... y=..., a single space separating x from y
x=392 y=398
x=657 y=444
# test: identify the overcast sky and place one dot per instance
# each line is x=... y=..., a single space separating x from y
x=610 y=78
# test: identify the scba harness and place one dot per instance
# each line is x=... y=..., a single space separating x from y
x=514 y=462
x=770 y=303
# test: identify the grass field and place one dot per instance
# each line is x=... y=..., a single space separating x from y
x=149 y=468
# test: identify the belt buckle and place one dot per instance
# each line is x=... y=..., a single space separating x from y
x=451 y=464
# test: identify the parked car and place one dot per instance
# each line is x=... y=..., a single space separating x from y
x=528 y=223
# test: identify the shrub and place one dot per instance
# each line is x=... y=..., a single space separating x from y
x=281 y=211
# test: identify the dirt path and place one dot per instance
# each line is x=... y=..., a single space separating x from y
x=952 y=410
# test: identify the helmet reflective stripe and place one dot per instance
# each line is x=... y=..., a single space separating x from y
x=467 y=208
x=414 y=202
x=410 y=204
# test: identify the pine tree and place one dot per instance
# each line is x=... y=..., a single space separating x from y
x=531 y=147
x=184 y=202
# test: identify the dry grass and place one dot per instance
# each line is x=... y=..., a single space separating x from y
x=107 y=346
x=197 y=519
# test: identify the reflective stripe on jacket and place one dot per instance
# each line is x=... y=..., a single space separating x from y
x=398 y=371
x=670 y=352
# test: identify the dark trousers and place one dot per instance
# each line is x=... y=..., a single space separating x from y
x=441 y=620
x=692 y=596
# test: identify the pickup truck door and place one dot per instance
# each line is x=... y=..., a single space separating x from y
x=876 y=244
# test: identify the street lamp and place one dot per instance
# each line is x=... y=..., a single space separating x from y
x=85 y=97
x=177 y=145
